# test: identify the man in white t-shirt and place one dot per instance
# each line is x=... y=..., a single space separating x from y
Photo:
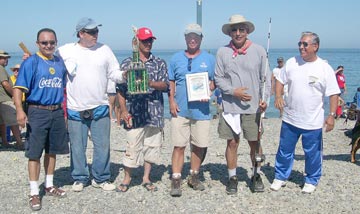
x=310 y=79
x=276 y=73
x=90 y=65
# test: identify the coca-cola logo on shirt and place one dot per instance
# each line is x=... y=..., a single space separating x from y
x=50 y=83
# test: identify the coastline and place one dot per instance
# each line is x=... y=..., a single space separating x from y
x=337 y=191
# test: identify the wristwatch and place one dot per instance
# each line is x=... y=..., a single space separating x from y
x=332 y=114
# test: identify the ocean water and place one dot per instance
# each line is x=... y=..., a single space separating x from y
x=349 y=58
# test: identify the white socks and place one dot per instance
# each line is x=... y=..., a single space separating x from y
x=232 y=172
x=49 y=181
x=176 y=175
x=34 y=188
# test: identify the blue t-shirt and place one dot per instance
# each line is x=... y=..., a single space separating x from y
x=147 y=109
x=179 y=67
x=43 y=80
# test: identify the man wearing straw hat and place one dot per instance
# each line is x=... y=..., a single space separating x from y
x=240 y=74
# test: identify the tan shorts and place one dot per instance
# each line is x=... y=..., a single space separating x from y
x=183 y=130
x=249 y=126
x=8 y=113
x=143 y=144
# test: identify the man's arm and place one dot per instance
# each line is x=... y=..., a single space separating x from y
x=330 y=120
x=20 y=114
x=8 y=87
x=174 y=108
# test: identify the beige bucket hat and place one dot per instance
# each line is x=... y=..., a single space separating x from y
x=237 y=19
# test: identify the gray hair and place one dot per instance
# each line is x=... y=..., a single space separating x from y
x=314 y=37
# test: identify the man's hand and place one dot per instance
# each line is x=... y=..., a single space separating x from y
x=21 y=118
x=329 y=123
x=241 y=94
x=174 y=108
x=279 y=102
x=263 y=106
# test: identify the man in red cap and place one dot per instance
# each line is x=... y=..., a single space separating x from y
x=144 y=130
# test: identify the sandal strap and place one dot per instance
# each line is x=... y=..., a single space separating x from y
x=55 y=191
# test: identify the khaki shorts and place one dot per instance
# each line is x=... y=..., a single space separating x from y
x=8 y=113
x=183 y=130
x=143 y=144
x=249 y=126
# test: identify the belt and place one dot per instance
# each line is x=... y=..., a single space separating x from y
x=48 y=107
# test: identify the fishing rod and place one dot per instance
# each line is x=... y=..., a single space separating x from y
x=261 y=158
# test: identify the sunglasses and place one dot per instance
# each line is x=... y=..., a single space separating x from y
x=92 y=31
x=45 y=43
x=149 y=40
x=241 y=29
x=305 y=44
x=189 y=64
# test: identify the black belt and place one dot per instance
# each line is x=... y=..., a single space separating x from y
x=48 y=107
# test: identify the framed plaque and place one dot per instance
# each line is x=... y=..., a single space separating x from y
x=197 y=86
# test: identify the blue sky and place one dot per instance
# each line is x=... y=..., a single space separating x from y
x=336 y=22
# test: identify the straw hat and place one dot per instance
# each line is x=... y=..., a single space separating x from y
x=17 y=66
x=4 y=54
x=237 y=19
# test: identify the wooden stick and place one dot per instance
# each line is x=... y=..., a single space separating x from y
x=24 y=48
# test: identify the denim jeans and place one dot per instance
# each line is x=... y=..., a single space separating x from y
x=100 y=135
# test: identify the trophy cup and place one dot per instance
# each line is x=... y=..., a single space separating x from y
x=137 y=75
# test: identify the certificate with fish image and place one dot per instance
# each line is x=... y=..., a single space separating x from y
x=197 y=86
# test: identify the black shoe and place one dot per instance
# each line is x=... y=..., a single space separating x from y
x=257 y=184
x=175 y=187
x=232 y=185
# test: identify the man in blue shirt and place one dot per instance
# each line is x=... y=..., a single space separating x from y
x=190 y=122
x=42 y=77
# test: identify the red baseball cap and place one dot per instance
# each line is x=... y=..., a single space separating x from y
x=144 y=33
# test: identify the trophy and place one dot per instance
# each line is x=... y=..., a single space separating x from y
x=137 y=75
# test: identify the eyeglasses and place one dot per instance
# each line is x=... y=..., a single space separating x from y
x=241 y=29
x=189 y=64
x=149 y=40
x=91 y=32
x=45 y=43
x=305 y=44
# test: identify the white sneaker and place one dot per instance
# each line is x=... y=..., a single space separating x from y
x=107 y=186
x=308 y=188
x=77 y=186
x=277 y=184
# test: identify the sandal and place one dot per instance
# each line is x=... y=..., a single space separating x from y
x=35 y=202
x=149 y=186
x=122 y=188
x=54 y=191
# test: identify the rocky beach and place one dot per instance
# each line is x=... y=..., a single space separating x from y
x=337 y=192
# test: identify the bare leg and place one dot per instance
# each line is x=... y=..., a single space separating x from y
x=231 y=153
x=34 y=169
x=147 y=170
x=178 y=159
x=197 y=154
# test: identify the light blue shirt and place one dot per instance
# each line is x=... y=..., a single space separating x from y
x=179 y=67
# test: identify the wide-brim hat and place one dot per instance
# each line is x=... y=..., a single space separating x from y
x=237 y=19
x=4 y=54
x=17 y=66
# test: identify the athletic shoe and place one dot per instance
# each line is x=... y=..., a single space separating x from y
x=256 y=183
x=231 y=188
x=106 y=186
x=175 y=190
x=77 y=186
x=277 y=184
x=308 y=188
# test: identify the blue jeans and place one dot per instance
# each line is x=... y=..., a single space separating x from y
x=100 y=134
x=312 y=146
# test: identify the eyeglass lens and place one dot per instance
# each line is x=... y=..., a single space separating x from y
x=305 y=44
x=92 y=31
x=45 y=43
